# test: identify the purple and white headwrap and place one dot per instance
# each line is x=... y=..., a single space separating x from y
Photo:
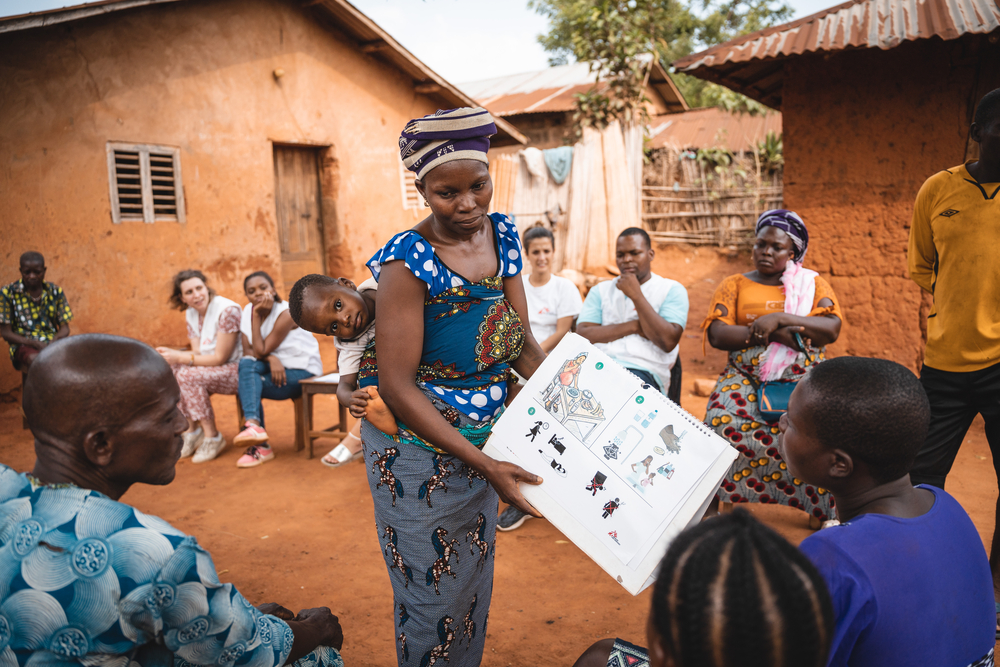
x=455 y=134
x=790 y=223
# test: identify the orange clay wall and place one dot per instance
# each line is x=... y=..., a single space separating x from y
x=196 y=75
x=862 y=131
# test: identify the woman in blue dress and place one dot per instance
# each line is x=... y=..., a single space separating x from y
x=450 y=328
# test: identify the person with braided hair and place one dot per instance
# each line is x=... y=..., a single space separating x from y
x=906 y=569
x=715 y=576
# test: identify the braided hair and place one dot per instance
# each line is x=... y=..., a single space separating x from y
x=731 y=591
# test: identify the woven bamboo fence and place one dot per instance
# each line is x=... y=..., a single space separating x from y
x=685 y=201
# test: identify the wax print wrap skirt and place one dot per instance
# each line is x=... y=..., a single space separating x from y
x=436 y=521
x=759 y=475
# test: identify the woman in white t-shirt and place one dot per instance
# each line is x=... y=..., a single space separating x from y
x=553 y=301
x=281 y=356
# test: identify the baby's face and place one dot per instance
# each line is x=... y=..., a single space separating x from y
x=335 y=310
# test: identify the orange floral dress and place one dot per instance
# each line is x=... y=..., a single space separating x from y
x=759 y=474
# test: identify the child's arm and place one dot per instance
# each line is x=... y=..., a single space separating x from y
x=349 y=395
x=263 y=346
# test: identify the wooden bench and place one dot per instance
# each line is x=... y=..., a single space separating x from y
x=326 y=384
x=304 y=431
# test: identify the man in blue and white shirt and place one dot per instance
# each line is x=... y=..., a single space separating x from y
x=638 y=318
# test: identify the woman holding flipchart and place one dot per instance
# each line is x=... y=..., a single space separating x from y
x=451 y=311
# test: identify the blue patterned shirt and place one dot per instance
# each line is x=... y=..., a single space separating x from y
x=86 y=580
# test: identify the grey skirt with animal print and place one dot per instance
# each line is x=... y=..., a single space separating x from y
x=436 y=520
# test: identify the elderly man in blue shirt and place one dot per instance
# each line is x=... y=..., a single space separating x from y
x=87 y=580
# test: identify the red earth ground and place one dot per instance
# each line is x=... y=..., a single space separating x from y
x=295 y=532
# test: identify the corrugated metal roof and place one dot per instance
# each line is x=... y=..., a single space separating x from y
x=553 y=89
x=711 y=127
x=859 y=23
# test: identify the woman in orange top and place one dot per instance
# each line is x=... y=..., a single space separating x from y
x=755 y=317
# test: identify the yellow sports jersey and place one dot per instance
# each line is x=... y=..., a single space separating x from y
x=955 y=255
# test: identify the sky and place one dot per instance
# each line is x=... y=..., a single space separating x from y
x=495 y=37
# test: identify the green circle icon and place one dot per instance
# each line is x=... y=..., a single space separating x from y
x=531 y=411
x=599 y=365
x=639 y=399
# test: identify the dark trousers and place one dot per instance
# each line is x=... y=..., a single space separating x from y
x=673 y=391
x=956 y=399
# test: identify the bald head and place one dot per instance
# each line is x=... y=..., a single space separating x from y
x=93 y=378
x=104 y=413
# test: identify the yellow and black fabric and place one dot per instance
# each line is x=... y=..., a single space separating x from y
x=953 y=253
x=39 y=319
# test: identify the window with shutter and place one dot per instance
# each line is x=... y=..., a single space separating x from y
x=411 y=198
x=145 y=183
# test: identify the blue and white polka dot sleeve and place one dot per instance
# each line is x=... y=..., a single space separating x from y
x=510 y=245
x=418 y=255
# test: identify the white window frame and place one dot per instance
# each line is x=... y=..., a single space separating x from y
x=149 y=214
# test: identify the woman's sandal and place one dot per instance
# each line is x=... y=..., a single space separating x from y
x=341 y=455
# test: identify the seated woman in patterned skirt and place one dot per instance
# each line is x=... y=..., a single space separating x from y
x=756 y=316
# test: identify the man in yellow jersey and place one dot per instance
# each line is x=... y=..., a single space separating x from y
x=955 y=255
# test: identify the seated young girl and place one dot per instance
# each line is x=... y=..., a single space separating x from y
x=280 y=355
x=336 y=307
x=210 y=366
x=730 y=591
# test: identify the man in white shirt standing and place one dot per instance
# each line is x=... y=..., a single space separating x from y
x=637 y=319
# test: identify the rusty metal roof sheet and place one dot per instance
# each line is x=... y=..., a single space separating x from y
x=856 y=24
x=710 y=128
x=553 y=89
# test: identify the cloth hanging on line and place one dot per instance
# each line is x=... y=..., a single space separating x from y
x=535 y=161
x=559 y=161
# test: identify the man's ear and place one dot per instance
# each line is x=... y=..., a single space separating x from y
x=976 y=133
x=348 y=283
x=97 y=447
x=841 y=464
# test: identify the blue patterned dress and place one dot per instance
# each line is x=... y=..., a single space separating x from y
x=435 y=516
x=88 y=581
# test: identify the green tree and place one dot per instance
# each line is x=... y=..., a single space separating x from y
x=610 y=34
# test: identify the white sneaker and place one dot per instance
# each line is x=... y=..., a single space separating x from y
x=191 y=441
x=209 y=449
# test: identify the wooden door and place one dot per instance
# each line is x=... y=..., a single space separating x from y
x=297 y=200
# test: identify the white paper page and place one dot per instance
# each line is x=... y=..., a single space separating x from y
x=618 y=459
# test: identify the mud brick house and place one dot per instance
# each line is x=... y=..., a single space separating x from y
x=875 y=95
x=141 y=137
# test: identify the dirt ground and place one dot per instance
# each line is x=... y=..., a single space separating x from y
x=295 y=532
